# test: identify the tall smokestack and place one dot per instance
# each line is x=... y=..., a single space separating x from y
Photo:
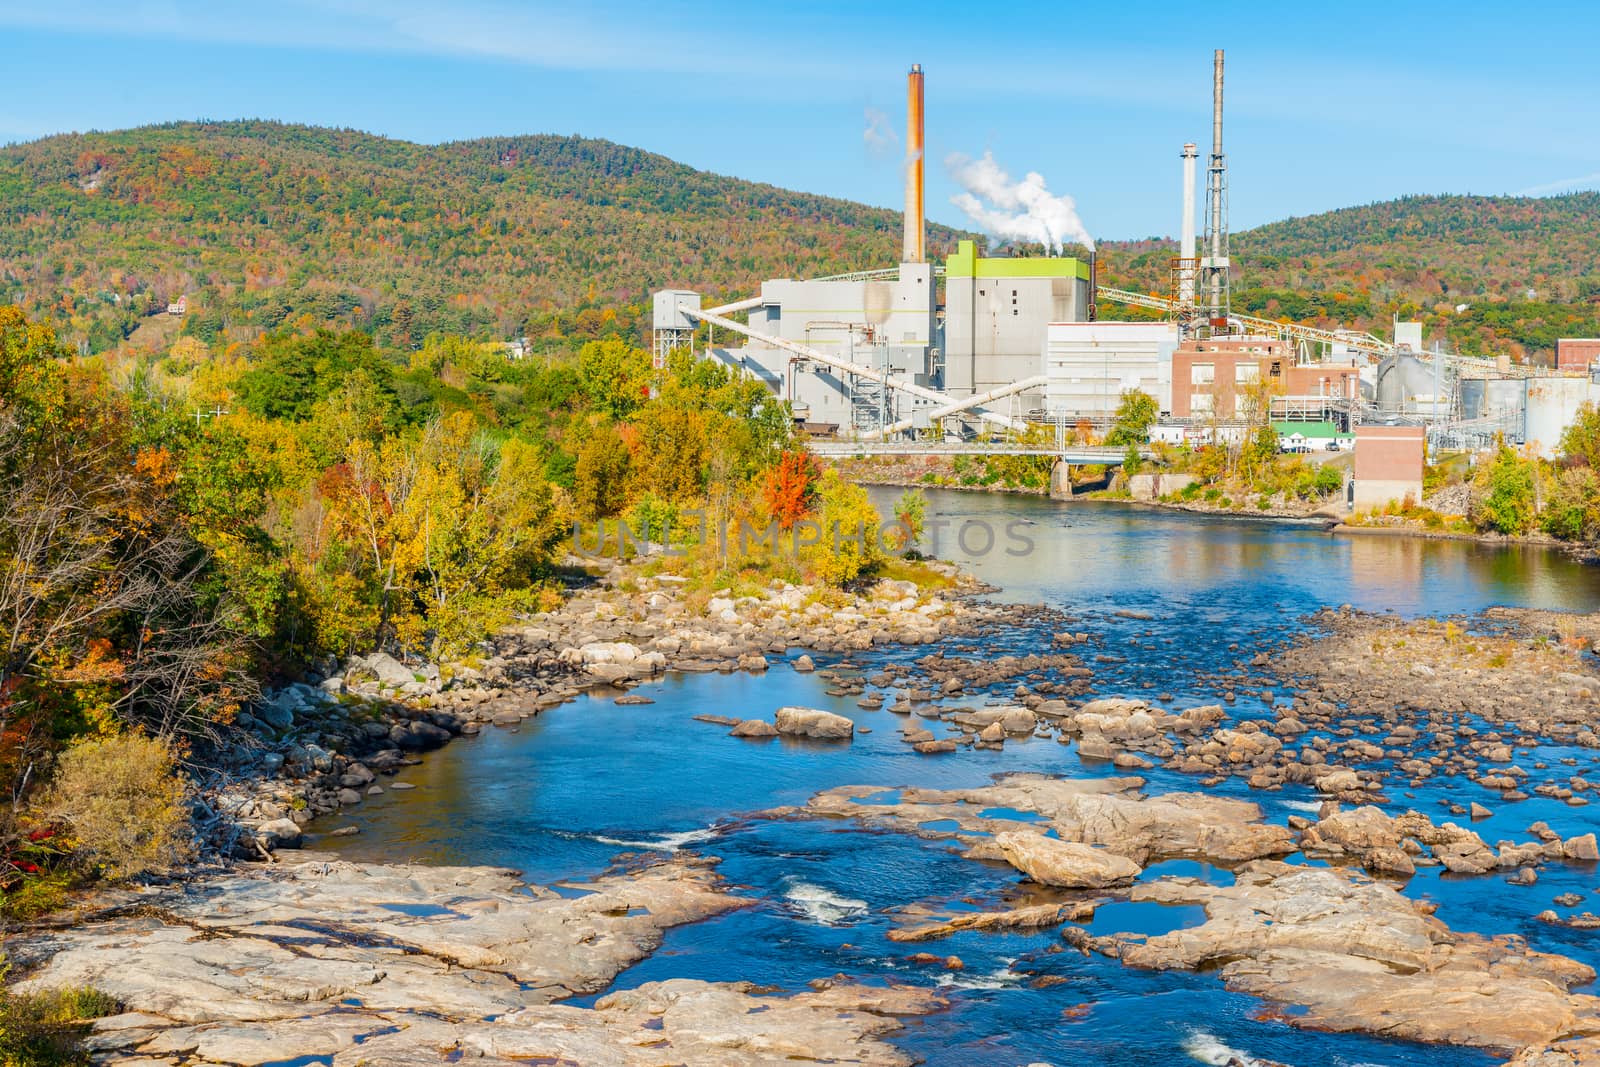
x=1214 y=265
x=913 y=250
x=1186 y=247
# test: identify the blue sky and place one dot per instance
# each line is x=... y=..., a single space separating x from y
x=1328 y=104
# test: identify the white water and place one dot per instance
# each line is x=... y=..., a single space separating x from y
x=669 y=842
x=823 y=906
x=1311 y=806
x=1205 y=1048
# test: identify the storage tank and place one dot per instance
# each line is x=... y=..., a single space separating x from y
x=1550 y=407
x=1400 y=378
x=1503 y=395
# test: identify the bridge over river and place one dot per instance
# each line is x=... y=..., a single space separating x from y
x=1073 y=455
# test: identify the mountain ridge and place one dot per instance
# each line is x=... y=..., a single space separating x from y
x=562 y=238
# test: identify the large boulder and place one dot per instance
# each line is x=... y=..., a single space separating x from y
x=279 y=833
x=813 y=722
x=388 y=670
x=1068 y=864
x=418 y=736
x=278 y=713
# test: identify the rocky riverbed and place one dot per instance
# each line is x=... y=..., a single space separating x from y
x=1340 y=950
x=331 y=962
x=335 y=740
x=1301 y=860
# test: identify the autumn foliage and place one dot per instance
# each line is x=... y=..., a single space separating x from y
x=790 y=488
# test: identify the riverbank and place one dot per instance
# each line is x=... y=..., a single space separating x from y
x=1327 y=511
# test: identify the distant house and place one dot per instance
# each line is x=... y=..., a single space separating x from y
x=1312 y=436
x=179 y=306
x=517 y=349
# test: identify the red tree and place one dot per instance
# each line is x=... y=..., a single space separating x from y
x=791 y=487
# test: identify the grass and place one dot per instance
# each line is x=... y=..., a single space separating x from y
x=36 y=894
x=923 y=576
x=46 y=1028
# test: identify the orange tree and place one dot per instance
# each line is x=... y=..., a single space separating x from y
x=790 y=489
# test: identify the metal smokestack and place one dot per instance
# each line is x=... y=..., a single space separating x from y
x=1214 y=265
x=1186 y=247
x=913 y=250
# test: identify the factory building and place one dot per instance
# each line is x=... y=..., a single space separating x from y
x=997 y=312
x=1211 y=377
x=887 y=324
x=1089 y=365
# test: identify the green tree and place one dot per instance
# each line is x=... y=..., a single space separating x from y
x=600 y=482
x=293 y=372
x=615 y=376
x=1136 y=413
x=1508 y=494
x=911 y=510
x=1581 y=441
x=1573 y=511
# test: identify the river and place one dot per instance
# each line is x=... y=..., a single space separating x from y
x=559 y=797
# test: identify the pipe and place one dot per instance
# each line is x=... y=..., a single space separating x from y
x=746 y=304
x=1186 y=246
x=960 y=405
x=913 y=248
x=858 y=369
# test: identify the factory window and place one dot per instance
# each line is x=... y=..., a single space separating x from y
x=1246 y=372
x=1202 y=373
x=1200 y=403
x=1277 y=369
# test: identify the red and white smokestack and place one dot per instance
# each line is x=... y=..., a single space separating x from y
x=913 y=250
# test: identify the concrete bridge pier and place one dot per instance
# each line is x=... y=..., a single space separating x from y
x=1061 y=481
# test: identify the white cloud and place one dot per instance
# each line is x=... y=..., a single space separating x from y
x=879 y=134
x=1565 y=185
x=539 y=33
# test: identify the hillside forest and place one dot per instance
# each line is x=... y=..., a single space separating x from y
x=261 y=226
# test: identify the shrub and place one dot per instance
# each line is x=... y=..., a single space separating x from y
x=122 y=801
x=1508 y=504
x=44 y=1029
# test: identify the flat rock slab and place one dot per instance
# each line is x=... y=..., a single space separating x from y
x=1359 y=956
x=236 y=968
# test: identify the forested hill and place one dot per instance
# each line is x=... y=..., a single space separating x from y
x=562 y=239
x=1417 y=257
x=258 y=222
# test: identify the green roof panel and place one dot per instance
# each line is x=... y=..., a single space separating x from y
x=966 y=263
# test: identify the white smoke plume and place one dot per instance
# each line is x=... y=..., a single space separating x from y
x=879 y=134
x=1015 y=211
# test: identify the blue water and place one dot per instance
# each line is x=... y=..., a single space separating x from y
x=561 y=796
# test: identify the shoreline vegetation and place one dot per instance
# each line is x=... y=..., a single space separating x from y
x=1331 y=516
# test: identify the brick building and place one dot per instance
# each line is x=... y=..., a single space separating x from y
x=1576 y=353
x=1388 y=465
x=1209 y=377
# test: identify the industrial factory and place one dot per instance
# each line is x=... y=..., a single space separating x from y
x=979 y=343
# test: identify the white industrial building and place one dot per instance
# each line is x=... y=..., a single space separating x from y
x=1089 y=365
